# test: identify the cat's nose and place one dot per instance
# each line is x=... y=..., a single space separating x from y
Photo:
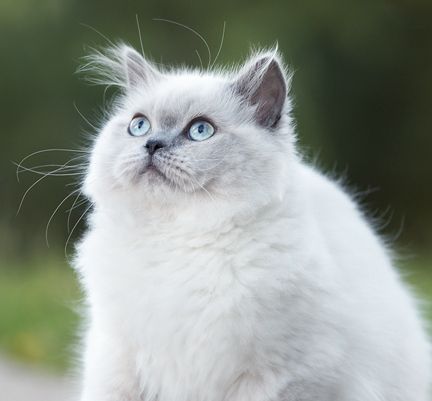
x=153 y=145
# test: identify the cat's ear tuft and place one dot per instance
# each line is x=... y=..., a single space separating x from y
x=261 y=82
x=119 y=65
x=137 y=68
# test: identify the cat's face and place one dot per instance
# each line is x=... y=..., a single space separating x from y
x=182 y=136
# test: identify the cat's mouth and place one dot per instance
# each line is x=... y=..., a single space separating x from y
x=165 y=171
x=152 y=170
x=159 y=174
x=161 y=171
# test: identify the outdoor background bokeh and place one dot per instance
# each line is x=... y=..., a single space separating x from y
x=362 y=101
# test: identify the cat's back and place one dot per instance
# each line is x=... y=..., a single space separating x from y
x=343 y=226
x=360 y=258
x=380 y=312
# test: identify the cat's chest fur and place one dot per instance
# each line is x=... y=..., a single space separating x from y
x=165 y=277
x=200 y=311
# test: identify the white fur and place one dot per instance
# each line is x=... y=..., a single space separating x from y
x=268 y=287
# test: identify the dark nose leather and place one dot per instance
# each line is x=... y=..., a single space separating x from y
x=153 y=145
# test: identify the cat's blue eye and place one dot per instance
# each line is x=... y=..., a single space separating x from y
x=201 y=130
x=139 y=126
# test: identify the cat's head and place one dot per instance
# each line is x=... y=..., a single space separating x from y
x=181 y=136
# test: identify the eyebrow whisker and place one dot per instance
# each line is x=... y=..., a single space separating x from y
x=220 y=45
x=193 y=31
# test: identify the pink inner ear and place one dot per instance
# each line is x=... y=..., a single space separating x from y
x=270 y=96
x=266 y=89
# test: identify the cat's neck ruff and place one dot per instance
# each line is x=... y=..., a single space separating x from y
x=193 y=219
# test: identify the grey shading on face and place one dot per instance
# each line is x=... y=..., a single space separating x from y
x=168 y=121
x=244 y=107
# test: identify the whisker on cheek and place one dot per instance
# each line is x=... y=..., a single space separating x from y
x=178 y=171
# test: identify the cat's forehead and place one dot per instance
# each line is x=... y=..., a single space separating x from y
x=189 y=82
x=178 y=97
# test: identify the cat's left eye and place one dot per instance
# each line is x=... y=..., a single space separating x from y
x=139 y=126
x=201 y=130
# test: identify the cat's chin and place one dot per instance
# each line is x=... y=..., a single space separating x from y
x=153 y=181
x=153 y=177
x=152 y=174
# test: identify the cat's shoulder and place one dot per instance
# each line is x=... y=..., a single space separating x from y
x=326 y=191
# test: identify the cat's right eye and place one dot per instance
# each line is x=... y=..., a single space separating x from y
x=139 y=126
x=201 y=130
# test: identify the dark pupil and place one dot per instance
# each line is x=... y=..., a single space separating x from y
x=140 y=124
x=201 y=128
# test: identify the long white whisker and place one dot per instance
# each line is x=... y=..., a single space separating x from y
x=139 y=34
x=34 y=168
x=74 y=227
x=83 y=117
x=53 y=173
x=209 y=159
x=220 y=45
x=105 y=93
x=37 y=181
x=74 y=204
x=193 y=31
x=77 y=205
x=24 y=168
x=54 y=213
x=49 y=150
x=99 y=33
x=213 y=166
x=125 y=168
x=200 y=60
x=202 y=187
x=218 y=161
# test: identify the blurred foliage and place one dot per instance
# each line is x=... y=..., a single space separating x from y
x=39 y=313
x=362 y=89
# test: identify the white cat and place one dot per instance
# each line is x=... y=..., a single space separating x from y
x=218 y=266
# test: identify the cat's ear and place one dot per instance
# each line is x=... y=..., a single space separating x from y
x=262 y=83
x=137 y=68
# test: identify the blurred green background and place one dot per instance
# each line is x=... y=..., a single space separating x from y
x=363 y=100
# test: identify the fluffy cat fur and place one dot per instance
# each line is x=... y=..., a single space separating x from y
x=229 y=269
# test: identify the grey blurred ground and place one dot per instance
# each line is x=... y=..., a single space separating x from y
x=21 y=383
